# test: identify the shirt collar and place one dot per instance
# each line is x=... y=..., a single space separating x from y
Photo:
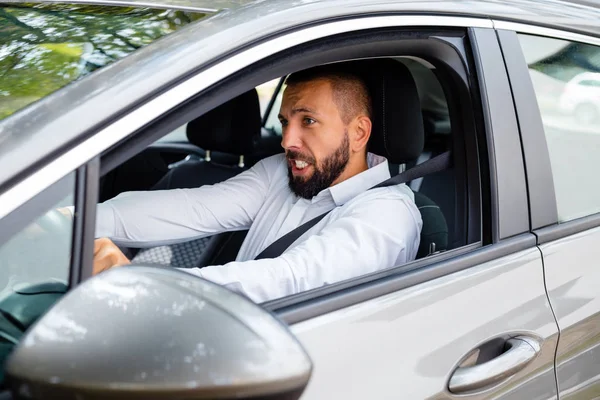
x=341 y=193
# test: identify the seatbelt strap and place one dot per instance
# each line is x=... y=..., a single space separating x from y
x=433 y=165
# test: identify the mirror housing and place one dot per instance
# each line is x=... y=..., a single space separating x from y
x=156 y=333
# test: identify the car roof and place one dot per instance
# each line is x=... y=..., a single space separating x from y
x=31 y=136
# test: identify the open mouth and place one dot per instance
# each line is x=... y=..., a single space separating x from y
x=299 y=166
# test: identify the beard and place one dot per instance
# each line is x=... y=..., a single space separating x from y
x=323 y=175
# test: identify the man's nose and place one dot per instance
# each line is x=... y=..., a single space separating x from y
x=291 y=138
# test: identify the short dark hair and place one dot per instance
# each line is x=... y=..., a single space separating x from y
x=350 y=93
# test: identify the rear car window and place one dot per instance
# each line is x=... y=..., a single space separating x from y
x=566 y=80
x=44 y=47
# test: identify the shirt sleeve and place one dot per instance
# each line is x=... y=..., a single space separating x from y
x=378 y=235
x=154 y=218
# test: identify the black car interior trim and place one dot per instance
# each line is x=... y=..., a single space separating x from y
x=92 y=177
x=78 y=226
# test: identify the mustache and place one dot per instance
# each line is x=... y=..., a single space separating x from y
x=295 y=155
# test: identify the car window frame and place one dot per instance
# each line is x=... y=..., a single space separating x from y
x=499 y=120
x=542 y=197
x=507 y=234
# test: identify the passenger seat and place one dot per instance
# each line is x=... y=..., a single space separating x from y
x=231 y=130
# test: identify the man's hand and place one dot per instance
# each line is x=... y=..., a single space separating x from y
x=107 y=255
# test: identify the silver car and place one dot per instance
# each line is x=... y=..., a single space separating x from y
x=102 y=97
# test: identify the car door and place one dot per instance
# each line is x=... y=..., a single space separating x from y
x=561 y=148
x=474 y=321
x=459 y=327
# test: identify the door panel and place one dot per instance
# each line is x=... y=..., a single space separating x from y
x=572 y=277
x=406 y=345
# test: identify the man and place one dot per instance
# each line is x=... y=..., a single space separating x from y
x=326 y=124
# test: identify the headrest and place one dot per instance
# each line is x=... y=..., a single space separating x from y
x=397 y=132
x=231 y=128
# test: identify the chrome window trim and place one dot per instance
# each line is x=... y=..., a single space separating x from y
x=548 y=32
x=117 y=131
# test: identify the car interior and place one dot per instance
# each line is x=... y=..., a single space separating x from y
x=234 y=136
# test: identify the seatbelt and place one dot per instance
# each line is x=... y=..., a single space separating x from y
x=433 y=165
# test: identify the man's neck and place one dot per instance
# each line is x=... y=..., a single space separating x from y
x=353 y=168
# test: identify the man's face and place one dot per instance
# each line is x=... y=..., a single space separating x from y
x=315 y=137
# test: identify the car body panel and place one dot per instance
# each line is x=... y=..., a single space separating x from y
x=406 y=344
x=572 y=276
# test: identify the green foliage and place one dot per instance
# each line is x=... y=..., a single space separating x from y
x=44 y=47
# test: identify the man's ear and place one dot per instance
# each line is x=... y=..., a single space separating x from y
x=362 y=133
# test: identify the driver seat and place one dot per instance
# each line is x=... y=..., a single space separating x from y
x=397 y=134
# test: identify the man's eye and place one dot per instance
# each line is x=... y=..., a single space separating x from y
x=283 y=122
x=309 y=121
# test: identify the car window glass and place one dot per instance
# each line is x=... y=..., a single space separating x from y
x=272 y=123
x=34 y=266
x=265 y=93
x=566 y=79
x=44 y=47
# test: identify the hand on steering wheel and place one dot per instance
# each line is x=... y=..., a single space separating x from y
x=107 y=255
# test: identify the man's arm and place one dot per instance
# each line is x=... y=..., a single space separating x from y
x=375 y=236
x=152 y=218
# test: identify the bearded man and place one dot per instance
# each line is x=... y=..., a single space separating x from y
x=326 y=124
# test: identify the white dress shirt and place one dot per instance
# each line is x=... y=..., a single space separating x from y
x=366 y=231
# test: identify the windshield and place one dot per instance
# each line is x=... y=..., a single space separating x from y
x=44 y=47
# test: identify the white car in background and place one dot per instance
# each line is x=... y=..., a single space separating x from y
x=581 y=97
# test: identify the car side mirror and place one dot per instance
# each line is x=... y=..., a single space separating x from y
x=156 y=333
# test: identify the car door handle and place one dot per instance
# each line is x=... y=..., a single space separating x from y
x=521 y=351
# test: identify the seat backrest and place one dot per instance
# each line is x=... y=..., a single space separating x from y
x=434 y=234
x=398 y=134
x=231 y=128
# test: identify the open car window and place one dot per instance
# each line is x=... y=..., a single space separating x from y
x=44 y=47
x=163 y=166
